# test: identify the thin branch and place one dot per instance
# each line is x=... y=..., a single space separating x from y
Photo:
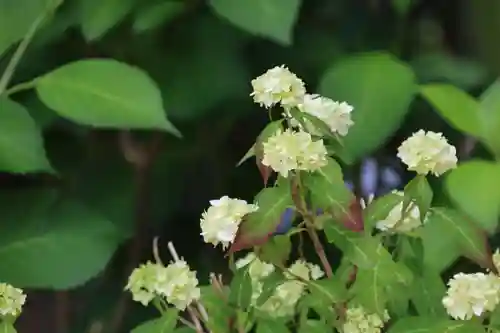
x=320 y=251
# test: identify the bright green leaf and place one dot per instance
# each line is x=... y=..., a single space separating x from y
x=272 y=202
x=380 y=97
x=427 y=293
x=276 y=250
x=165 y=324
x=328 y=189
x=6 y=327
x=455 y=106
x=21 y=142
x=156 y=14
x=415 y=325
x=41 y=233
x=273 y=19
x=98 y=16
x=16 y=18
x=379 y=209
x=241 y=288
x=219 y=312
x=269 y=285
x=490 y=116
x=329 y=291
x=271 y=326
x=314 y=326
x=105 y=93
x=475 y=188
x=467 y=237
x=419 y=191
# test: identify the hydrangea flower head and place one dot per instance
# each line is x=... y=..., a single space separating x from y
x=428 y=152
x=357 y=320
x=278 y=85
x=394 y=222
x=471 y=295
x=288 y=150
x=219 y=223
x=11 y=300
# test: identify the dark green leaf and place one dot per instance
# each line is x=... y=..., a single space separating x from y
x=156 y=14
x=380 y=97
x=271 y=326
x=276 y=250
x=21 y=142
x=165 y=324
x=219 y=312
x=88 y=92
x=273 y=19
x=314 y=326
x=419 y=191
x=41 y=233
x=98 y=16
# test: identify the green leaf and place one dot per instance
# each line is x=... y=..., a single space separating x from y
x=16 y=19
x=361 y=251
x=455 y=106
x=99 y=16
x=152 y=16
x=6 y=327
x=41 y=233
x=459 y=326
x=276 y=250
x=419 y=191
x=329 y=291
x=475 y=188
x=328 y=189
x=427 y=293
x=415 y=325
x=266 y=133
x=271 y=326
x=165 y=324
x=490 y=116
x=463 y=234
x=219 y=312
x=87 y=92
x=273 y=19
x=380 y=97
x=21 y=142
x=269 y=285
x=241 y=289
x=379 y=209
x=402 y=6
x=314 y=326
x=272 y=203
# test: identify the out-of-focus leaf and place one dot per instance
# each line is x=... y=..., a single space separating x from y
x=98 y=16
x=156 y=14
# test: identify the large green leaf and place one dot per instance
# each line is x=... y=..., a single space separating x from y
x=380 y=88
x=16 y=17
x=98 y=16
x=153 y=15
x=105 y=93
x=456 y=106
x=48 y=242
x=6 y=327
x=165 y=324
x=475 y=187
x=427 y=293
x=458 y=233
x=271 y=326
x=490 y=116
x=274 y=19
x=21 y=142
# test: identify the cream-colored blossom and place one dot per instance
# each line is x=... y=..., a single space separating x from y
x=11 y=300
x=176 y=283
x=428 y=152
x=219 y=223
x=357 y=320
x=278 y=85
x=471 y=295
x=337 y=116
x=258 y=270
x=496 y=260
x=394 y=221
x=288 y=150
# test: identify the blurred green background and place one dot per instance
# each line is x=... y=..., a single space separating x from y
x=203 y=55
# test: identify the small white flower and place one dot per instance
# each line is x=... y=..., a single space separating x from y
x=357 y=320
x=428 y=153
x=337 y=116
x=286 y=151
x=219 y=224
x=496 y=259
x=11 y=300
x=394 y=222
x=257 y=270
x=181 y=285
x=471 y=295
x=278 y=85
x=144 y=282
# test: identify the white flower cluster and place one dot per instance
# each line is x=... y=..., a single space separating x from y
x=176 y=283
x=428 y=152
x=11 y=300
x=283 y=301
x=472 y=295
x=357 y=320
x=290 y=150
x=219 y=223
x=395 y=223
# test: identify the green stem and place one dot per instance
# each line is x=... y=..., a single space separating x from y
x=21 y=49
x=21 y=87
